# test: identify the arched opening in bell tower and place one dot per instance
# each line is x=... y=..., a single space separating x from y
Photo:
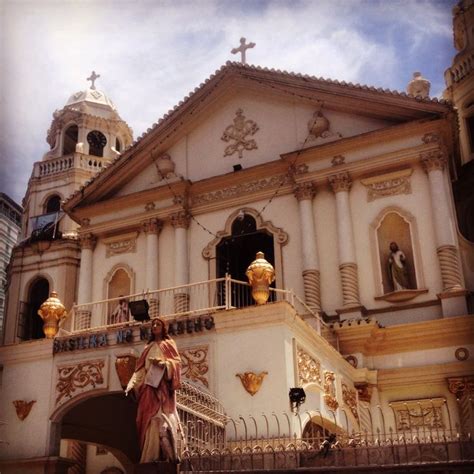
x=70 y=139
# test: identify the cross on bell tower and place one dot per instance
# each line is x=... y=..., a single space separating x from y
x=242 y=48
x=92 y=78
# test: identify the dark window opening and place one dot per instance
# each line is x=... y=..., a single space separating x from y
x=70 y=140
x=30 y=324
x=97 y=142
x=118 y=147
x=53 y=204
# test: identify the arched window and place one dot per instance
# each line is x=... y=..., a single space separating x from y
x=97 y=142
x=70 y=140
x=30 y=324
x=118 y=147
x=53 y=204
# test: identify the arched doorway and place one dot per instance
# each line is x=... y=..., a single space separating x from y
x=236 y=252
x=30 y=324
x=107 y=421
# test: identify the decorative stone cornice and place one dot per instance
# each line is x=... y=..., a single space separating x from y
x=180 y=220
x=433 y=160
x=87 y=241
x=340 y=182
x=304 y=191
x=152 y=226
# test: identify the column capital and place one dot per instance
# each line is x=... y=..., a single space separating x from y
x=152 y=226
x=340 y=181
x=180 y=220
x=87 y=241
x=433 y=160
x=460 y=386
x=304 y=191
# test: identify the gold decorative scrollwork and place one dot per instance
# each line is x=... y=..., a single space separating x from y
x=80 y=376
x=330 y=390
x=252 y=381
x=195 y=365
x=350 y=399
x=309 y=369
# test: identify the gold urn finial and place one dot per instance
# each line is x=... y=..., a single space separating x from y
x=261 y=274
x=51 y=312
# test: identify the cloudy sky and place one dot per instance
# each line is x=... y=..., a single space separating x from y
x=151 y=53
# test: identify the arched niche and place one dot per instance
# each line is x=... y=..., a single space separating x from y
x=235 y=229
x=70 y=139
x=395 y=225
x=120 y=281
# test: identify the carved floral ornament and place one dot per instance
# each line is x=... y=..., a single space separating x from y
x=461 y=386
x=304 y=191
x=251 y=381
x=389 y=184
x=309 y=368
x=78 y=378
x=433 y=160
x=415 y=414
x=340 y=182
x=238 y=133
x=349 y=396
x=23 y=408
x=330 y=390
x=249 y=187
x=195 y=365
x=117 y=245
x=87 y=241
x=152 y=226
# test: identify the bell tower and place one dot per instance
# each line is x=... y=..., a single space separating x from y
x=84 y=137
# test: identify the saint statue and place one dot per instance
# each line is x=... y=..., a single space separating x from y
x=121 y=313
x=157 y=376
x=397 y=269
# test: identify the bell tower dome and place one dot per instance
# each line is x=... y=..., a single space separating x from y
x=84 y=137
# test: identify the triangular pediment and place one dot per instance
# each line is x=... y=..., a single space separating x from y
x=247 y=116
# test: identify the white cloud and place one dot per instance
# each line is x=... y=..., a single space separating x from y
x=150 y=54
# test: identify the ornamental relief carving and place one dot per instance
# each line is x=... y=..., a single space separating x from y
x=120 y=244
x=249 y=187
x=79 y=378
x=239 y=134
x=330 y=390
x=433 y=160
x=319 y=129
x=309 y=369
x=349 y=397
x=389 y=184
x=340 y=182
x=195 y=364
x=415 y=414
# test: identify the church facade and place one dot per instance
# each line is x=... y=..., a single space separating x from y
x=346 y=189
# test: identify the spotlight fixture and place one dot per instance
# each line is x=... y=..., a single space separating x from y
x=237 y=167
x=297 y=397
x=139 y=310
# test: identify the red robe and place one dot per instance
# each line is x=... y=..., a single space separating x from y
x=150 y=399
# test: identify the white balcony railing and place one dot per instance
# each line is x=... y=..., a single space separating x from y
x=187 y=301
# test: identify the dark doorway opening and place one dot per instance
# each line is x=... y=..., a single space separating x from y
x=236 y=252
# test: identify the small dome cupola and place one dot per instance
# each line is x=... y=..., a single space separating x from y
x=88 y=124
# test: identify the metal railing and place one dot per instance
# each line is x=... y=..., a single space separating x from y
x=188 y=300
x=245 y=447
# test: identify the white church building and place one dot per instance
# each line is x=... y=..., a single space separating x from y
x=321 y=176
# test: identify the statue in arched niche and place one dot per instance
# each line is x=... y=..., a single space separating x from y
x=397 y=268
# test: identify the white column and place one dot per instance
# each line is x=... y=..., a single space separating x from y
x=341 y=184
x=82 y=318
x=84 y=293
x=453 y=299
x=180 y=222
x=305 y=193
x=152 y=229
